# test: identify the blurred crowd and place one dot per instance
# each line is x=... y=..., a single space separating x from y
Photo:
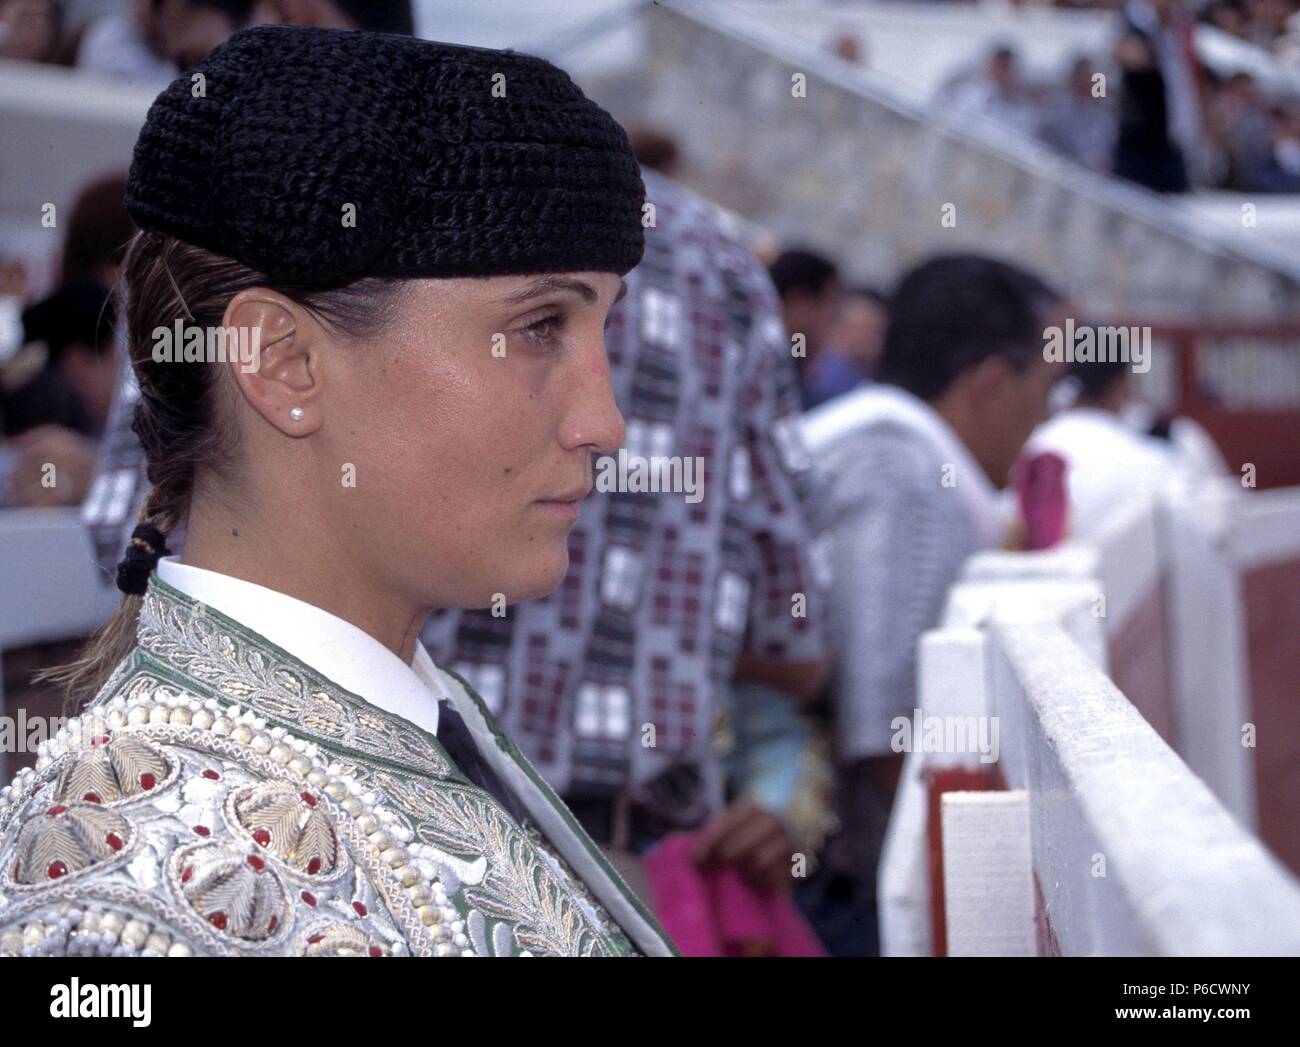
x=147 y=42
x=1150 y=110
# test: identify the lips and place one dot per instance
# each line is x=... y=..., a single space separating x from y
x=573 y=496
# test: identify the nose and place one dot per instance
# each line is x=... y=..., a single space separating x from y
x=592 y=420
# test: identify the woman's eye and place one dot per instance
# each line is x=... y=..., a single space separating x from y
x=545 y=330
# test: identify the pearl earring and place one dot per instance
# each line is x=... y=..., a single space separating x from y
x=297 y=414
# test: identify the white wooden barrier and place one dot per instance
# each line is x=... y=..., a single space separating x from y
x=51 y=587
x=1133 y=851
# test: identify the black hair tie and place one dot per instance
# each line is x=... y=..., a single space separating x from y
x=148 y=546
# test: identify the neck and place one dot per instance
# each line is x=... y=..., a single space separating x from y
x=957 y=412
x=282 y=555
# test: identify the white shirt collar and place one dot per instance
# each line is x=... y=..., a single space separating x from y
x=880 y=403
x=338 y=650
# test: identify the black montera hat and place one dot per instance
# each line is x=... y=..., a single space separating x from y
x=323 y=155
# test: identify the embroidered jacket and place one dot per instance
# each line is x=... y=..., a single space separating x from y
x=220 y=797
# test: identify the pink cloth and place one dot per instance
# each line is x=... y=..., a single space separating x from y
x=711 y=911
x=1044 y=499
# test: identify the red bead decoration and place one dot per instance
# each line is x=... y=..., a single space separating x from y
x=56 y=810
x=256 y=862
x=203 y=830
x=270 y=927
x=98 y=740
x=308 y=799
x=309 y=898
x=186 y=873
x=56 y=869
x=375 y=950
x=360 y=908
x=218 y=920
x=147 y=781
x=315 y=938
x=261 y=837
x=114 y=841
x=92 y=798
x=211 y=775
x=313 y=866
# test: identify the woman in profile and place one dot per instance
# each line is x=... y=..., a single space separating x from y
x=365 y=314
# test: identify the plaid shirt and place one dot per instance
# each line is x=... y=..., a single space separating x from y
x=662 y=594
x=613 y=682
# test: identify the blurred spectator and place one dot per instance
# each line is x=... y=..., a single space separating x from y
x=128 y=45
x=73 y=387
x=55 y=395
x=189 y=29
x=1160 y=127
x=995 y=91
x=853 y=352
x=98 y=231
x=908 y=470
x=29 y=30
x=1226 y=16
x=1077 y=123
x=809 y=287
x=848 y=45
x=1109 y=464
x=1250 y=132
x=57 y=392
x=374 y=16
x=655 y=150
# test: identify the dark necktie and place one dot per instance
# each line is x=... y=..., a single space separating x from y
x=454 y=736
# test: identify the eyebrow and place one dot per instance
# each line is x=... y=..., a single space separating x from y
x=547 y=284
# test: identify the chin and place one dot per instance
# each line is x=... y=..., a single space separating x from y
x=537 y=577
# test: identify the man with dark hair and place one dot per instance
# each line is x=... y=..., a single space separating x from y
x=809 y=287
x=909 y=471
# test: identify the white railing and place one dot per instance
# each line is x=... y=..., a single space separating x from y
x=1091 y=835
x=51 y=588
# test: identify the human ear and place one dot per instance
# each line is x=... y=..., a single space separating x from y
x=990 y=380
x=275 y=368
